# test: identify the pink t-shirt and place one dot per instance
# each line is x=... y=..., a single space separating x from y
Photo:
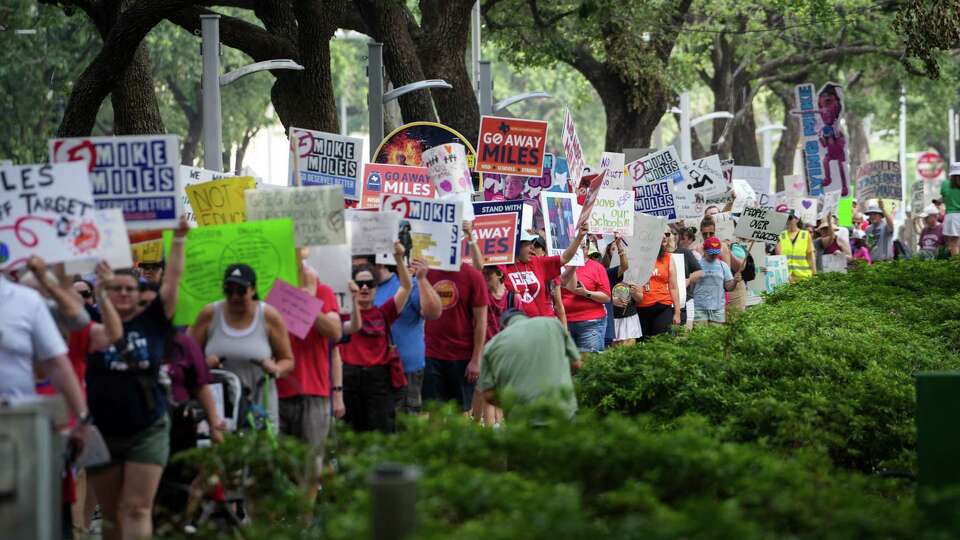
x=528 y=281
x=593 y=276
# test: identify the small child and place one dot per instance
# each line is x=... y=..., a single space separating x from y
x=859 y=247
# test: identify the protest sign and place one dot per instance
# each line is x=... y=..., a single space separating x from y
x=317 y=212
x=332 y=263
x=511 y=146
x=572 y=149
x=561 y=214
x=643 y=246
x=298 y=308
x=371 y=232
x=794 y=186
x=823 y=142
x=705 y=176
x=879 y=180
x=661 y=165
x=781 y=202
x=725 y=226
x=745 y=196
x=447 y=168
x=917 y=196
x=828 y=204
x=833 y=262
x=758 y=178
x=805 y=208
x=195 y=175
x=613 y=212
x=690 y=205
x=114 y=244
x=406 y=145
x=46 y=210
x=496 y=228
x=150 y=251
x=561 y=177
x=508 y=187
x=267 y=246
x=614 y=165
x=220 y=201
x=763 y=224
x=776 y=272
x=139 y=173
x=380 y=179
x=587 y=193
x=320 y=159
x=429 y=230
x=656 y=199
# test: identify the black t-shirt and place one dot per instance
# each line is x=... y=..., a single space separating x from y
x=690 y=265
x=123 y=385
x=615 y=277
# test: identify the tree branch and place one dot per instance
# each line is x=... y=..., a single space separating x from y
x=235 y=33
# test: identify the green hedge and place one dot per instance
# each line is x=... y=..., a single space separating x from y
x=826 y=364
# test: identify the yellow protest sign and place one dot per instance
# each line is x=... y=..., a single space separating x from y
x=220 y=201
x=150 y=251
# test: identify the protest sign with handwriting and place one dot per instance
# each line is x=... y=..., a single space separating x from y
x=267 y=246
x=194 y=175
x=317 y=212
x=763 y=224
x=572 y=149
x=879 y=180
x=371 y=232
x=139 y=173
x=613 y=212
x=220 y=201
x=114 y=244
x=298 y=308
x=447 y=168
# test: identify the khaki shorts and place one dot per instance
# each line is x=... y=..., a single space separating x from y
x=150 y=446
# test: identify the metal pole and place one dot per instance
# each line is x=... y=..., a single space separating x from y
x=343 y=115
x=658 y=137
x=903 y=146
x=951 y=119
x=375 y=93
x=768 y=148
x=393 y=501
x=486 y=88
x=686 y=153
x=475 y=47
x=212 y=119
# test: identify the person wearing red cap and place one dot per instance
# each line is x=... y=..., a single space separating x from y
x=708 y=297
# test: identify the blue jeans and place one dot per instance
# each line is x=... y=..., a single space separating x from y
x=588 y=335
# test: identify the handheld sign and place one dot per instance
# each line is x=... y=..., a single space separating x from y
x=46 y=210
x=511 y=146
x=194 y=175
x=322 y=159
x=220 y=201
x=561 y=213
x=879 y=180
x=762 y=224
x=644 y=244
x=572 y=149
x=114 y=244
x=447 y=168
x=612 y=212
x=496 y=229
x=380 y=179
x=138 y=173
x=613 y=164
x=317 y=212
x=298 y=309
x=371 y=233
x=429 y=230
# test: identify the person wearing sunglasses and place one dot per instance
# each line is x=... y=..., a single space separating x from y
x=151 y=272
x=368 y=391
x=127 y=401
x=247 y=337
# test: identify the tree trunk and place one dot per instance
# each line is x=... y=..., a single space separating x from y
x=445 y=28
x=858 y=142
x=242 y=149
x=744 y=130
x=135 y=107
x=389 y=23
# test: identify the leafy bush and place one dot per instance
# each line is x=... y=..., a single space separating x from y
x=827 y=363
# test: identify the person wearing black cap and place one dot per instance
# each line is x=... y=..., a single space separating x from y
x=530 y=360
x=246 y=336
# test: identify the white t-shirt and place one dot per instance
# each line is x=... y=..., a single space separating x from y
x=27 y=334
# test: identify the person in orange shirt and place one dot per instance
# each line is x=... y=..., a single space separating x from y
x=660 y=306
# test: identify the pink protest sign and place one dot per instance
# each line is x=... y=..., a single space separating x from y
x=298 y=309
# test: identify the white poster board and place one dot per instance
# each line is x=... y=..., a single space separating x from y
x=114 y=244
x=613 y=164
x=612 y=212
x=833 y=262
x=316 y=211
x=758 y=178
x=643 y=246
x=761 y=224
x=429 y=230
x=321 y=159
x=332 y=263
x=560 y=215
x=572 y=149
x=371 y=232
x=138 y=173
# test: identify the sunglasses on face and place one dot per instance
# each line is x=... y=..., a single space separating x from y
x=123 y=289
x=149 y=267
x=234 y=290
x=368 y=283
x=85 y=293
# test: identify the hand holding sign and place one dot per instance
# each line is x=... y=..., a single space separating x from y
x=447 y=167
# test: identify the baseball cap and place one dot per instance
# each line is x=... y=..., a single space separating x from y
x=930 y=210
x=711 y=245
x=240 y=274
x=955 y=169
x=528 y=237
x=825 y=225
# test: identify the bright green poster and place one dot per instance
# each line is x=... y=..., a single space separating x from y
x=845 y=212
x=267 y=246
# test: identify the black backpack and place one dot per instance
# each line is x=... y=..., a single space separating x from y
x=749 y=271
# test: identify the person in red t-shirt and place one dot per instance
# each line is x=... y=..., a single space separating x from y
x=368 y=392
x=586 y=291
x=528 y=276
x=305 y=393
x=455 y=340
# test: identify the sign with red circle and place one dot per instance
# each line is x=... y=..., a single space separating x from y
x=930 y=165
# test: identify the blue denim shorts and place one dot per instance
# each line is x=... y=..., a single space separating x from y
x=588 y=335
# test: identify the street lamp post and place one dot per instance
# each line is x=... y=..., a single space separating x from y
x=211 y=83
x=768 y=132
x=487 y=107
x=376 y=98
x=687 y=125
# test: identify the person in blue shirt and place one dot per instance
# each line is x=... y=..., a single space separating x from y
x=708 y=293
x=407 y=331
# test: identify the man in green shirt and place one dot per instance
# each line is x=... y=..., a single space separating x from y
x=530 y=360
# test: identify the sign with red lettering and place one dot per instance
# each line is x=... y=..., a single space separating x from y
x=511 y=146
x=496 y=230
x=380 y=179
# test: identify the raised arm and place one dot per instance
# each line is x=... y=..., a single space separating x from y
x=430 y=305
x=400 y=298
x=624 y=258
x=886 y=215
x=69 y=303
x=356 y=323
x=169 y=289
x=328 y=324
x=475 y=254
x=104 y=334
x=571 y=250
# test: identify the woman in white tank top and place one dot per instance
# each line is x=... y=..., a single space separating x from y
x=245 y=336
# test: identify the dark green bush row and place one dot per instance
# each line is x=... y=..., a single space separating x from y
x=827 y=363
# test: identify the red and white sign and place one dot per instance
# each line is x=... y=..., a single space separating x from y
x=496 y=236
x=511 y=146
x=380 y=179
x=930 y=165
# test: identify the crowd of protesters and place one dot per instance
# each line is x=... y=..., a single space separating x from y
x=478 y=337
